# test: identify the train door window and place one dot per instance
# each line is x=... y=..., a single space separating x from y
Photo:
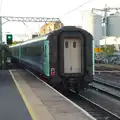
x=74 y=44
x=45 y=51
x=66 y=44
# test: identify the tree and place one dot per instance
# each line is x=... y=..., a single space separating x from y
x=16 y=42
x=108 y=49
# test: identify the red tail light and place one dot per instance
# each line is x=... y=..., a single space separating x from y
x=52 y=71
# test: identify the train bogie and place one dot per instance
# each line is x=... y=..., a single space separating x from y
x=63 y=56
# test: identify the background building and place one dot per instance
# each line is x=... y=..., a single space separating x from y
x=93 y=24
x=48 y=27
x=113 y=25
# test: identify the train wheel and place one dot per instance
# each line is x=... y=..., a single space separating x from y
x=49 y=81
x=83 y=86
x=77 y=89
x=65 y=86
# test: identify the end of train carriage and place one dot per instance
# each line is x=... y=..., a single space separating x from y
x=71 y=57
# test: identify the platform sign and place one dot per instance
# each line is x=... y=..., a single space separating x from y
x=97 y=50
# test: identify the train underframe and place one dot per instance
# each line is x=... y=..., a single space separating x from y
x=76 y=84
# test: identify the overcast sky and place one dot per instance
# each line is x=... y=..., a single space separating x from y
x=47 y=8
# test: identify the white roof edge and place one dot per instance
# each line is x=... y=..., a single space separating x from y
x=31 y=40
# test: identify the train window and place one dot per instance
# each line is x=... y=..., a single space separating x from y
x=74 y=44
x=45 y=51
x=42 y=48
x=66 y=44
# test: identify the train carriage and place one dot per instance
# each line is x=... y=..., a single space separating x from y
x=63 y=56
x=5 y=56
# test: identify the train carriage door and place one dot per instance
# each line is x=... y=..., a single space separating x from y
x=72 y=56
x=67 y=58
x=76 y=61
x=46 y=58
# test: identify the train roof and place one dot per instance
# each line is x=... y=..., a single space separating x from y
x=31 y=40
x=64 y=28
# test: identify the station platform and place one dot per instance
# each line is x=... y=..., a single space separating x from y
x=26 y=97
x=12 y=106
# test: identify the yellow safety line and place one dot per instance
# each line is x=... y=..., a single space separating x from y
x=24 y=98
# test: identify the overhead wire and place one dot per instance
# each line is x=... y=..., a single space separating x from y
x=77 y=8
x=27 y=28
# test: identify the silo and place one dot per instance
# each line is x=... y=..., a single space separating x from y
x=93 y=24
x=113 y=25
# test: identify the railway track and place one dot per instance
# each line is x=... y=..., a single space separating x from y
x=103 y=69
x=97 y=111
x=106 y=88
x=107 y=84
x=108 y=79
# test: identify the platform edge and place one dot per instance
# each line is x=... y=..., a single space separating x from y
x=85 y=112
x=29 y=108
